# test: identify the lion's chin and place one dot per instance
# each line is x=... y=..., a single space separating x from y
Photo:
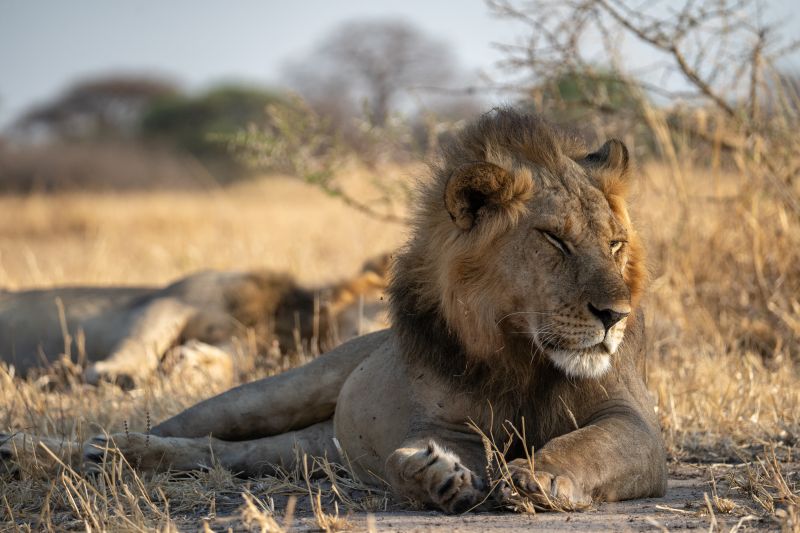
x=587 y=363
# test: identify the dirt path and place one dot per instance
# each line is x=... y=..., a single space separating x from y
x=683 y=508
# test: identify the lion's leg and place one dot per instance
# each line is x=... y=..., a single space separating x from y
x=23 y=451
x=254 y=457
x=289 y=401
x=616 y=457
x=155 y=327
x=429 y=473
x=248 y=458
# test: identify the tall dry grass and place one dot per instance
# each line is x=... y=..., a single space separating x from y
x=722 y=308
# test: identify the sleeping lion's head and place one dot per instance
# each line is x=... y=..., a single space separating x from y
x=523 y=234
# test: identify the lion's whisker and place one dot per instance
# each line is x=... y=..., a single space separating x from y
x=546 y=313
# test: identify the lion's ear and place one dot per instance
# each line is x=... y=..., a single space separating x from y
x=476 y=191
x=609 y=165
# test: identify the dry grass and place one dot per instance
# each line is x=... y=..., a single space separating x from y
x=722 y=312
x=134 y=238
x=723 y=316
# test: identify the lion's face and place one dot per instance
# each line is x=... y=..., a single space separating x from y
x=562 y=270
x=545 y=254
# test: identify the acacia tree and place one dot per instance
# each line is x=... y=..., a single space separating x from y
x=372 y=60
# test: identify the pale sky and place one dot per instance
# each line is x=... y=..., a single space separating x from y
x=46 y=45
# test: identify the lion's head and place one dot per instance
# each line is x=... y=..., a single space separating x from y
x=523 y=247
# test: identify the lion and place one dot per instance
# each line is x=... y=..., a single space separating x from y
x=515 y=301
x=125 y=334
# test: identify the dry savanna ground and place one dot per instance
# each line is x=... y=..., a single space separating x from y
x=724 y=337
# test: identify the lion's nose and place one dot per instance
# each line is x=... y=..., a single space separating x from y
x=608 y=317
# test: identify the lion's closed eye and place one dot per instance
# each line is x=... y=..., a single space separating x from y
x=557 y=242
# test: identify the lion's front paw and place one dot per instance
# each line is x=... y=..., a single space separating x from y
x=448 y=484
x=544 y=489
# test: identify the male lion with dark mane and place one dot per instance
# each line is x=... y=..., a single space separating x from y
x=514 y=300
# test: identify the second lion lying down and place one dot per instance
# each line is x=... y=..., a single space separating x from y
x=515 y=300
x=196 y=323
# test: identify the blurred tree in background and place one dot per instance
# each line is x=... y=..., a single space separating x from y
x=192 y=123
x=95 y=109
x=375 y=61
x=129 y=132
x=375 y=90
x=384 y=87
x=567 y=93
